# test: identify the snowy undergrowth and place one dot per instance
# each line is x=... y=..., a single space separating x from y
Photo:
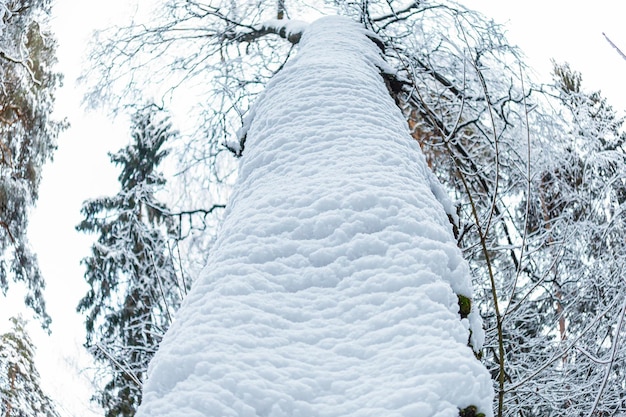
x=332 y=288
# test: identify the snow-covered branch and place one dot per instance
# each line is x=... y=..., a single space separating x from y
x=290 y=30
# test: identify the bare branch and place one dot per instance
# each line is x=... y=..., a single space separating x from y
x=120 y=366
x=619 y=51
x=612 y=359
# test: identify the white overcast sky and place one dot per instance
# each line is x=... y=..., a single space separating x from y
x=568 y=31
x=565 y=30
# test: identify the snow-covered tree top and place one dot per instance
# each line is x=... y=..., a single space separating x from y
x=332 y=288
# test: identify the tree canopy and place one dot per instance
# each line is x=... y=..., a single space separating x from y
x=28 y=136
x=536 y=169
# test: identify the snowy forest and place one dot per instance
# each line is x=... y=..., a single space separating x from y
x=325 y=208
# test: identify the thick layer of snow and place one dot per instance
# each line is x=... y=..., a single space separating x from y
x=331 y=289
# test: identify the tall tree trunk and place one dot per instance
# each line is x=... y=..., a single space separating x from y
x=333 y=288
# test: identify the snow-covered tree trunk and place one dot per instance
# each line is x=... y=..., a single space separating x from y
x=333 y=287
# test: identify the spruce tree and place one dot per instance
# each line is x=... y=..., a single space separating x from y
x=20 y=391
x=131 y=272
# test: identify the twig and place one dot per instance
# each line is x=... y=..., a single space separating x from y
x=159 y=281
x=528 y=191
x=619 y=51
x=611 y=361
x=120 y=366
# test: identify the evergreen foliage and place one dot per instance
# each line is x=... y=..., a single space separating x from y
x=131 y=271
x=27 y=137
x=20 y=391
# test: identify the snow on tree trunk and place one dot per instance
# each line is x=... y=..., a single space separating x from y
x=332 y=288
